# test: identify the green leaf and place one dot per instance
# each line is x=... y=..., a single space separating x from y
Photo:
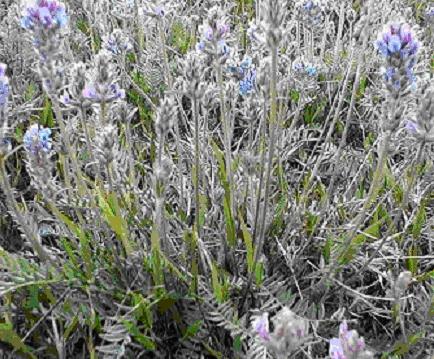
x=71 y=327
x=412 y=263
x=216 y=285
x=311 y=221
x=47 y=118
x=145 y=341
x=402 y=348
x=115 y=219
x=85 y=250
x=9 y=336
x=157 y=265
x=30 y=92
x=238 y=343
x=372 y=231
x=229 y=219
x=248 y=243
x=259 y=273
x=327 y=249
x=419 y=221
x=192 y=329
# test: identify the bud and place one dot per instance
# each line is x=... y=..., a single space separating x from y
x=166 y=115
x=402 y=283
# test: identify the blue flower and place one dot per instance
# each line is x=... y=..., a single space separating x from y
x=223 y=48
x=308 y=5
x=394 y=44
x=4 y=85
x=200 y=46
x=311 y=70
x=306 y=68
x=247 y=84
x=246 y=74
x=390 y=72
x=37 y=139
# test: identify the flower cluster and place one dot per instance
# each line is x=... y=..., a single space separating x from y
x=156 y=9
x=102 y=88
x=273 y=13
x=304 y=68
x=117 y=43
x=349 y=345
x=310 y=11
x=246 y=74
x=37 y=140
x=44 y=15
x=193 y=73
x=4 y=86
x=99 y=92
x=214 y=34
x=289 y=332
x=397 y=44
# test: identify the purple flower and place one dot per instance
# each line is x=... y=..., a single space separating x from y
x=348 y=346
x=397 y=44
x=37 y=139
x=208 y=34
x=102 y=93
x=261 y=327
x=89 y=92
x=405 y=34
x=336 y=351
x=298 y=66
x=213 y=41
x=200 y=46
x=430 y=12
x=44 y=15
x=117 y=43
x=223 y=29
x=397 y=40
x=411 y=127
x=159 y=11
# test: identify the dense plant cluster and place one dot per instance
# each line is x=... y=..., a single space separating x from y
x=216 y=179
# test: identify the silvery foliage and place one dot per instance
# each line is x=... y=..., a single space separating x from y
x=124 y=75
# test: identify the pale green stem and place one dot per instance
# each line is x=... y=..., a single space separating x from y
x=197 y=162
x=261 y=182
x=226 y=131
x=272 y=141
x=413 y=173
x=165 y=56
x=372 y=195
x=70 y=152
x=273 y=125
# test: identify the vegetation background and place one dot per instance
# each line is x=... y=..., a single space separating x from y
x=175 y=173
